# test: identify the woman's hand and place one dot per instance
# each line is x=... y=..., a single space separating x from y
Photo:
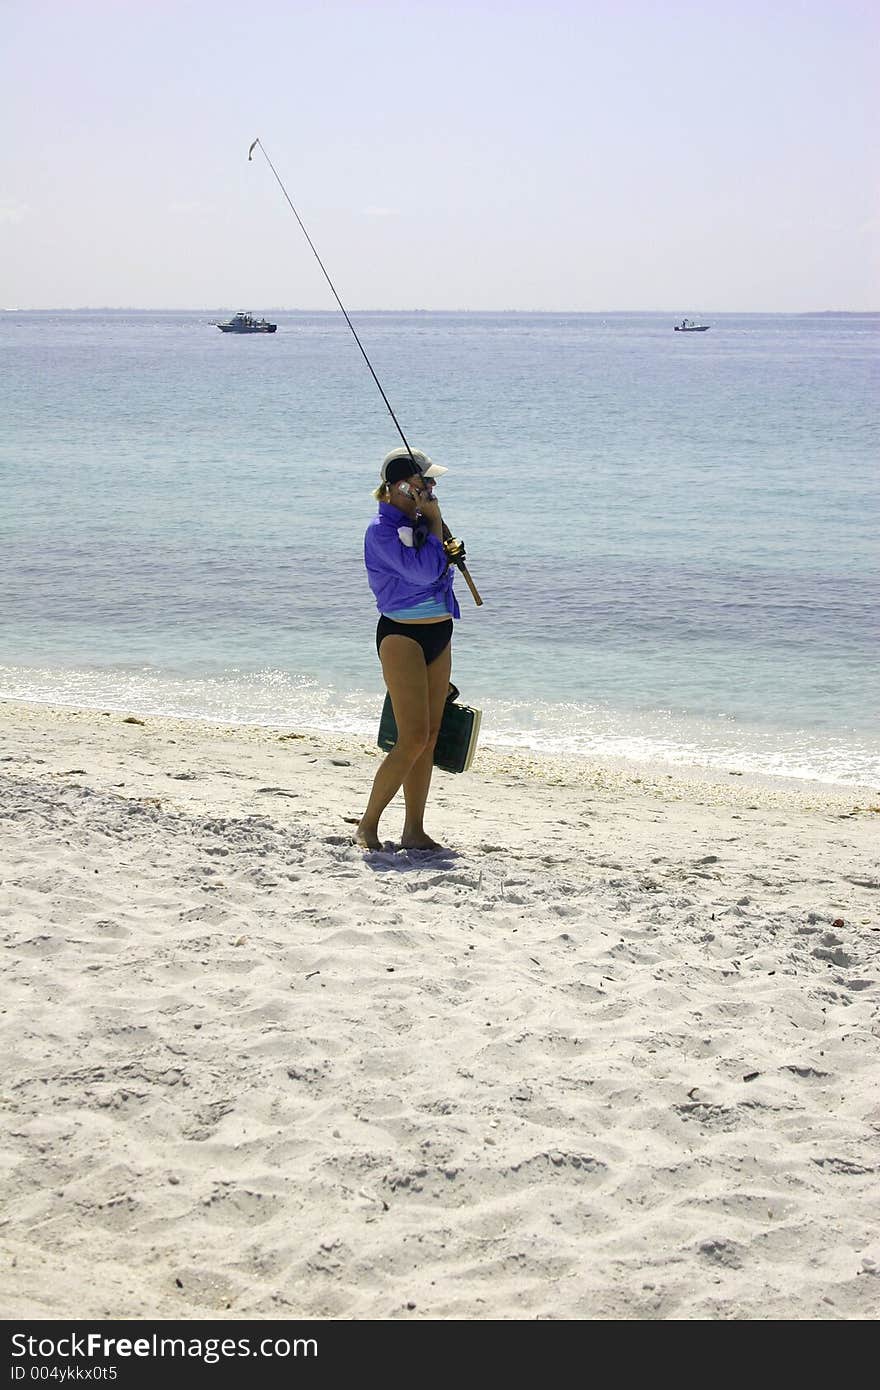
x=430 y=510
x=428 y=505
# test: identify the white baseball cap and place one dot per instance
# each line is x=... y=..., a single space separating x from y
x=422 y=462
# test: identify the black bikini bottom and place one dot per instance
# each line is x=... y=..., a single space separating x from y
x=433 y=638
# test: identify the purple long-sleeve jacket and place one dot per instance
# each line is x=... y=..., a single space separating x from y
x=405 y=565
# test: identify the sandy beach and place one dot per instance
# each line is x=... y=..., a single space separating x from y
x=615 y=1055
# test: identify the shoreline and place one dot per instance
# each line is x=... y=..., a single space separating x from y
x=499 y=757
x=613 y=1056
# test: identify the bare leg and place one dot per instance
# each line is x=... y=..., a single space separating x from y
x=418 y=780
x=406 y=676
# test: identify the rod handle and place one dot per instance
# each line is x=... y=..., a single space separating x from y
x=447 y=536
x=471 y=585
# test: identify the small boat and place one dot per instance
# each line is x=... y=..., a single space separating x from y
x=246 y=323
x=688 y=326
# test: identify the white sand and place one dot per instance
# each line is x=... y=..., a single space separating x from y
x=612 y=1060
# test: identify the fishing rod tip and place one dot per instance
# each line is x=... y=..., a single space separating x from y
x=253 y=147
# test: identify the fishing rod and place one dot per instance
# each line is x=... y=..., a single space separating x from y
x=455 y=549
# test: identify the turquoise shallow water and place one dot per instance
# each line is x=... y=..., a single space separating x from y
x=675 y=536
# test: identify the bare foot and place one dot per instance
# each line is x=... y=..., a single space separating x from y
x=418 y=840
x=367 y=839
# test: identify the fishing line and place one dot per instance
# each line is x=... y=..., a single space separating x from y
x=333 y=288
x=454 y=548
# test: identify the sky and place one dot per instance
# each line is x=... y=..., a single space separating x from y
x=594 y=156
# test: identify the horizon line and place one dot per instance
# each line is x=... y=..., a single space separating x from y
x=279 y=309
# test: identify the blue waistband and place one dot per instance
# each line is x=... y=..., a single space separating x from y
x=428 y=608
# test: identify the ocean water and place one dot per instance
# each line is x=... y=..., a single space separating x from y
x=675 y=535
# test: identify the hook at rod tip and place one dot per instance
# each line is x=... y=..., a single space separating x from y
x=253 y=147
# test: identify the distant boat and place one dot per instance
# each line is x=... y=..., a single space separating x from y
x=688 y=326
x=246 y=323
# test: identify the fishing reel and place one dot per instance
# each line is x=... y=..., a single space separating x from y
x=455 y=551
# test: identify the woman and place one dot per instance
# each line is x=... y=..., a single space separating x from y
x=411 y=579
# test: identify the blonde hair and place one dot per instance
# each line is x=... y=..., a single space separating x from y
x=381 y=492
